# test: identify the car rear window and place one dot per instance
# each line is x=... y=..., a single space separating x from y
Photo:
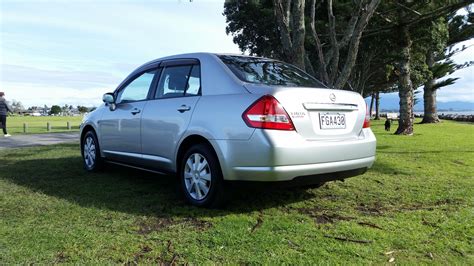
x=268 y=72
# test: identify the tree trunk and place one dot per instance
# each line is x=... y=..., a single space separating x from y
x=377 y=106
x=371 y=104
x=405 y=120
x=354 y=42
x=290 y=20
x=298 y=33
x=429 y=100
x=430 y=114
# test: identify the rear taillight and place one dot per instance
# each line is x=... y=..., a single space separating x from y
x=367 y=118
x=267 y=113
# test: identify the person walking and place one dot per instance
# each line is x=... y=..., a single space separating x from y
x=4 y=109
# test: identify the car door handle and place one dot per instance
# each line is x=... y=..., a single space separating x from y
x=135 y=111
x=183 y=108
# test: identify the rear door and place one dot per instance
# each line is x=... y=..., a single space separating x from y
x=120 y=128
x=167 y=116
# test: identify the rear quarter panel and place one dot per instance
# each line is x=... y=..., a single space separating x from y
x=219 y=117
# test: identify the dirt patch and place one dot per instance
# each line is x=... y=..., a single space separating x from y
x=258 y=224
x=61 y=257
x=322 y=217
x=141 y=254
x=374 y=210
x=372 y=225
x=156 y=224
x=415 y=207
x=377 y=208
x=459 y=162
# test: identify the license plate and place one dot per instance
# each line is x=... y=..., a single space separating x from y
x=332 y=121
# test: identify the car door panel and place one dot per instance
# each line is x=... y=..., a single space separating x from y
x=163 y=125
x=120 y=132
x=166 y=118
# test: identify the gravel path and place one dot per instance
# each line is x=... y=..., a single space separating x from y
x=18 y=141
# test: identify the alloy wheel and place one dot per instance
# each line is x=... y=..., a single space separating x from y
x=197 y=176
x=89 y=152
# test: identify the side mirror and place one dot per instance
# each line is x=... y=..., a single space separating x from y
x=108 y=98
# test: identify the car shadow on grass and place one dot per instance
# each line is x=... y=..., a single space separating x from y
x=132 y=191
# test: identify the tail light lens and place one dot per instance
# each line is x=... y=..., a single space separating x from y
x=267 y=113
x=367 y=117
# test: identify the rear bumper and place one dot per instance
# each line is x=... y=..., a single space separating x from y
x=339 y=170
x=272 y=155
x=313 y=179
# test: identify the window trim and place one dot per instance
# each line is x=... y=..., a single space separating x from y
x=177 y=62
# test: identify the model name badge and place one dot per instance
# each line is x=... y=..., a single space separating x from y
x=297 y=114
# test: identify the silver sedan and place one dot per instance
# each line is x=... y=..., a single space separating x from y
x=212 y=118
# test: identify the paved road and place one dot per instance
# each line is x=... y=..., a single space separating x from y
x=19 y=141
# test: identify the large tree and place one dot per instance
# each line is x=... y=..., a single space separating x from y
x=329 y=48
x=407 y=20
x=328 y=35
x=458 y=28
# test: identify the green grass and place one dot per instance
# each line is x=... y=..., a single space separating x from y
x=38 y=124
x=416 y=204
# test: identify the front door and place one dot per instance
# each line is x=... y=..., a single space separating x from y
x=120 y=128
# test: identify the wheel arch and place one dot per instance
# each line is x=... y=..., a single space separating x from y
x=188 y=142
x=84 y=131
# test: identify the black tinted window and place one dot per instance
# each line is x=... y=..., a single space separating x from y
x=268 y=72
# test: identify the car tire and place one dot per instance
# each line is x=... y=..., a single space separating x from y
x=91 y=152
x=201 y=179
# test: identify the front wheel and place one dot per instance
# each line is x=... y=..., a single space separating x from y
x=201 y=177
x=90 y=152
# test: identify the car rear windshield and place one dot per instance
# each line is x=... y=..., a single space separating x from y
x=268 y=72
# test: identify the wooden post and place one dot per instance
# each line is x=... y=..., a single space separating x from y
x=68 y=125
x=25 y=128
x=48 y=126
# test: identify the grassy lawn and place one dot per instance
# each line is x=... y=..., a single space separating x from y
x=416 y=205
x=38 y=124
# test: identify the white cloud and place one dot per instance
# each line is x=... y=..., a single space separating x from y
x=74 y=51
x=463 y=89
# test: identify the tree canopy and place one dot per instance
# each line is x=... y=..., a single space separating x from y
x=369 y=46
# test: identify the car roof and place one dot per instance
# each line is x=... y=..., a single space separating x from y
x=199 y=55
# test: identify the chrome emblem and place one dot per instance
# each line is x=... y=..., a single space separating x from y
x=332 y=97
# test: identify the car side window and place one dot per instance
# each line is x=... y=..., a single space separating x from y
x=137 y=90
x=194 y=81
x=178 y=81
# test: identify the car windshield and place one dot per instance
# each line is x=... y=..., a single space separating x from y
x=268 y=72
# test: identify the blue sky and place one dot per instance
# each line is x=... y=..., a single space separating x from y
x=71 y=52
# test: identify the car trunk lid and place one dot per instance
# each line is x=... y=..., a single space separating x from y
x=319 y=113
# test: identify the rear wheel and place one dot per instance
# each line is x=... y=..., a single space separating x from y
x=90 y=152
x=201 y=177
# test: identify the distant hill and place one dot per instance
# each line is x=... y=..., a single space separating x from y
x=390 y=101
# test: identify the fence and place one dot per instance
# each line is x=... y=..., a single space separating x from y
x=24 y=125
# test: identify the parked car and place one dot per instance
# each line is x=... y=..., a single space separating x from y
x=213 y=118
